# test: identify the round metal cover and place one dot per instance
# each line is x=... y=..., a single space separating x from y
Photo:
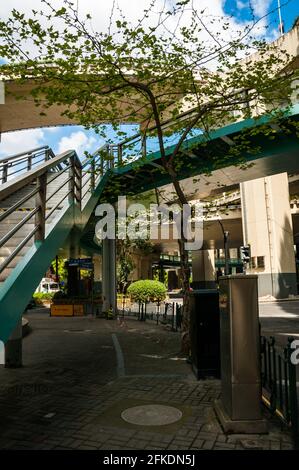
x=151 y=415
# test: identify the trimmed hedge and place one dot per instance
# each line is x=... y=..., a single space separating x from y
x=147 y=291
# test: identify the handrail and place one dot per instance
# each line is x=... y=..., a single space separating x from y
x=11 y=186
x=118 y=147
x=94 y=154
x=17 y=155
x=42 y=191
x=19 y=203
x=23 y=162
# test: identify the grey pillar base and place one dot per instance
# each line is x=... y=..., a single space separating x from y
x=13 y=348
x=109 y=275
x=244 y=426
x=13 y=353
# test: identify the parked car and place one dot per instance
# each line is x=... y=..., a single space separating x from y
x=47 y=286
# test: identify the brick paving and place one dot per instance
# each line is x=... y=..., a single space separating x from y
x=70 y=392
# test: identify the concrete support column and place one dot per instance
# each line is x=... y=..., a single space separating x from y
x=13 y=348
x=97 y=264
x=268 y=229
x=109 y=274
x=73 y=271
x=203 y=269
x=97 y=273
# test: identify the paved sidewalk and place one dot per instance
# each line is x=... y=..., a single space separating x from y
x=81 y=373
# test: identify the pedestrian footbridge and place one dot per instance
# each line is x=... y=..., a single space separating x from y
x=45 y=197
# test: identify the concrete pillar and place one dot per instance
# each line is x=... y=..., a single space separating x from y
x=97 y=273
x=72 y=281
x=73 y=271
x=13 y=348
x=74 y=245
x=267 y=228
x=203 y=269
x=109 y=274
x=97 y=264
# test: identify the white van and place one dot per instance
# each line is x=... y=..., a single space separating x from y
x=47 y=286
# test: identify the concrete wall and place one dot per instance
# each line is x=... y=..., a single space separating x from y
x=267 y=227
x=203 y=269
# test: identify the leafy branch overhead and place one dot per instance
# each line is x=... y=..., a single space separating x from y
x=176 y=71
x=144 y=72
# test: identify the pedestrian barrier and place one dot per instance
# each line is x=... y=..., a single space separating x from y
x=279 y=388
x=168 y=313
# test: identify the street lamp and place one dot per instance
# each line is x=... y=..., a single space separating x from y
x=225 y=245
x=225 y=240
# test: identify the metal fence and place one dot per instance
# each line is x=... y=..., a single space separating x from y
x=166 y=313
x=279 y=383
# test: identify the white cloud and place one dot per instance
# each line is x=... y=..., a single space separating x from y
x=261 y=7
x=134 y=10
x=241 y=4
x=78 y=141
x=16 y=142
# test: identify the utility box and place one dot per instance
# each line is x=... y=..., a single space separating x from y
x=205 y=333
x=239 y=409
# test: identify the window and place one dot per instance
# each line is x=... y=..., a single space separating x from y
x=260 y=261
x=54 y=286
x=252 y=263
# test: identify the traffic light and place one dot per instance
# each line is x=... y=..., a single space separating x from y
x=245 y=253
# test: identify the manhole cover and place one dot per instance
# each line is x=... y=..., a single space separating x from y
x=151 y=415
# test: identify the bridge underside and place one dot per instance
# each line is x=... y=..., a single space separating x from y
x=18 y=110
x=205 y=170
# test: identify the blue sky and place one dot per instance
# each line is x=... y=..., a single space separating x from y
x=241 y=10
x=75 y=137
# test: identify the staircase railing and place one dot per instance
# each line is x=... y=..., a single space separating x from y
x=74 y=181
x=13 y=166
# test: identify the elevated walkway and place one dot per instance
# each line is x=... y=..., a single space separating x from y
x=44 y=196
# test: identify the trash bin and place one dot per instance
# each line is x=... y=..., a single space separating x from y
x=205 y=333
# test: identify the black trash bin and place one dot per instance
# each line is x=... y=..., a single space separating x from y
x=205 y=333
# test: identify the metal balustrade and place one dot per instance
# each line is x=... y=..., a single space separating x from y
x=15 y=165
x=279 y=383
x=164 y=313
x=36 y=186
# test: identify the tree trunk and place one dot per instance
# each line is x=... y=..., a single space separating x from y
x=185 y=270
x=185 y=278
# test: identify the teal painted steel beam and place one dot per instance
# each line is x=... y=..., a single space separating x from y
x=224 y=131
x=83 y=217
x=17 y=290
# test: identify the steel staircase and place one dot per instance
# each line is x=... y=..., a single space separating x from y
x=43 y=196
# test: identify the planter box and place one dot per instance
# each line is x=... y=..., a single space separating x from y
x=78 y=310
x=62 y=310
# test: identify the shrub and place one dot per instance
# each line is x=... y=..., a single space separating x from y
x=147 y=291
x=40 y=297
